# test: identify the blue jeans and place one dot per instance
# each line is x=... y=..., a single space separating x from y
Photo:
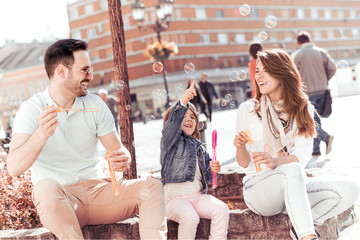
x=318 y=101
x=307 y=201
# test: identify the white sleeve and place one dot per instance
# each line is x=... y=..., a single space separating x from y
x=242 y=118
x=303 y=146
x=26 y=117
x=105 y=120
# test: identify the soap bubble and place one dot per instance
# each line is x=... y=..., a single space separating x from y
x=253 y=105
x=201 y=125
x=119 y=84
x=159 y=94
x=342 y=64
x=228 y=97
x=223 y=103
x=179 y=87
x=149 y=118
x=262 y=36
x=189 y=68
x=157 y=67
x=312 y=165
x=128 y=107
x=244 y=9
x=234 y=76
x=242 y=75
x=270 y=21
x=232 y=104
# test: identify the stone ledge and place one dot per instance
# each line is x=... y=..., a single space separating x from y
x=243 y=224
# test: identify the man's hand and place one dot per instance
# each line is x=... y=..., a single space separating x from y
x=48 y=122
x=215 y=166
x=119 y=160
x=189 y=94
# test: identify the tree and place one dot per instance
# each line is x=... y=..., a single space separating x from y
x=121 y=74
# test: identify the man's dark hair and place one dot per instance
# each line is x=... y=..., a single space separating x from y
x=303 y=37
x=61 y=52
x=254 y=48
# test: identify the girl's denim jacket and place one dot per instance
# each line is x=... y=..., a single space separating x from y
x=179 y=151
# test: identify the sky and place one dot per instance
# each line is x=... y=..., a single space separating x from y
x=26 y=20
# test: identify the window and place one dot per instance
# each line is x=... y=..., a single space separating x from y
x=39 y=86
x=285 y=13
x=89 y=9
x=300 y=13
x=21 y=92
x=327 y=13
x=222 y=38
x=355 y=32
x=91 y=33
x=254 y=13
x=5 y=95
x=73 y=13
x=204 y=38
x=352 y=13
x=342 y=33
x=314 y=13
x=341 y=14
x=178 y=13
x=200 y=13
x=104 y=4
x=330 y=34
x=219 y=13
x=317 y=35
x=240 y=38
x=76 y=35
x=31 y=89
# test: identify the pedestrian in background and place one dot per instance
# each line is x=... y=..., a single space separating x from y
x=253 y=49
x=199 y=100
x=282 y=130
x=316 y=68
x=186 y=169
x=112 y=104
x=208 y=91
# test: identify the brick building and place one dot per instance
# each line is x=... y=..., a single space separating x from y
x=211 y=34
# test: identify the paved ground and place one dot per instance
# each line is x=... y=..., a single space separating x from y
x=344 y=158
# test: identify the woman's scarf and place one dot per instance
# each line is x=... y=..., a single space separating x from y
x=279 y=127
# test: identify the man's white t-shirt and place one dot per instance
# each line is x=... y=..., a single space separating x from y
x=72 y=153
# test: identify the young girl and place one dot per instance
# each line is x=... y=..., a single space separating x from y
x=278 y=136
x=186 y=168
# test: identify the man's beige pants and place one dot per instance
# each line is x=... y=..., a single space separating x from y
x=65 y=209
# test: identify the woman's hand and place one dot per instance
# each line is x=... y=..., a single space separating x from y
x=188 y=94
x=119 y=160
x=215 y=166
x=240 y=139
x=265 y=158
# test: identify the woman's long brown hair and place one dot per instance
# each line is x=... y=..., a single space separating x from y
x=279 y=65
x=196 y=133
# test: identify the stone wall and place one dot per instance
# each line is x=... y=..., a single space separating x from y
x=243 y=223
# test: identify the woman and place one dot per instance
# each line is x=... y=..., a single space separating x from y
x=278 y=136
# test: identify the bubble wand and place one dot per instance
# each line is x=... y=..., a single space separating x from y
x=113 y=176
x=251 y=143
x=214 y=143
x=59 y=109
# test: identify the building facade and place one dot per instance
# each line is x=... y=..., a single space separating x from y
x=212 y=34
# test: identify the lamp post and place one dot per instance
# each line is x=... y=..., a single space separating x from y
x=164 y=10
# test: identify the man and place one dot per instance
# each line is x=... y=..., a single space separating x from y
x=208 y=91
x=112 y=104
x=316 y=68
x=62 y=150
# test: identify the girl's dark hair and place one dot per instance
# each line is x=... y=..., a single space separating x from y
x=280 y=65
x=61 y=52
x=196 y=133
x=254 y=48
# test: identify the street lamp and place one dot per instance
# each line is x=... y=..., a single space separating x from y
x=164 y=11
